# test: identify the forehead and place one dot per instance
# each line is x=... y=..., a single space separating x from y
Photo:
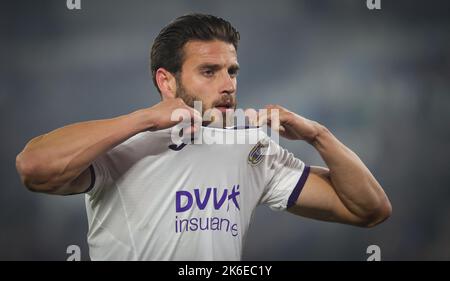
x=217 y=52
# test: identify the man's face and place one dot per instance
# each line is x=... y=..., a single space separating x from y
x=208 y=75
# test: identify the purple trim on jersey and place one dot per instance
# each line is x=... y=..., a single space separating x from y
x=298 y=188
x=91 y=185
x=91 y=169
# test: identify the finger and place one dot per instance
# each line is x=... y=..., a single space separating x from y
x=252 y=116
x=187 y=115
x=214 y=117
x=273 y=115
x=189 y=131
x=262 y=118
x=181 y=115
x=197 y=117
x=195 y=124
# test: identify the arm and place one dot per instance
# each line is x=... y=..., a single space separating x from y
x=58 y=162
x=346 y=191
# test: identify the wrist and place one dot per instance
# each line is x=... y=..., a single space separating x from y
x=142 y=120
x=322 y=134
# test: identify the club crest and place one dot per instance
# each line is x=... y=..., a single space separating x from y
x=256 y=155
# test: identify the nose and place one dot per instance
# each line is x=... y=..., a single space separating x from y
x=228 y=84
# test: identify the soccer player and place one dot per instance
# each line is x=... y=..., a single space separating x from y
x=148 y=198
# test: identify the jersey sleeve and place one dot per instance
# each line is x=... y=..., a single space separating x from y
x=286 y=177
x=100 y=175
x=108 y=167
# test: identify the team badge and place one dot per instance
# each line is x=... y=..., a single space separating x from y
x=257 y=153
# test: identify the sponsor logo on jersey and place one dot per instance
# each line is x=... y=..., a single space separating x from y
x=177 y=147
x=217 y=200
x=212 y=198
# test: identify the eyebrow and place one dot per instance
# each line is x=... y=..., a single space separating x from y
x=213 y=66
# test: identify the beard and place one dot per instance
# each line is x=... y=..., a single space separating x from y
x=189 y=99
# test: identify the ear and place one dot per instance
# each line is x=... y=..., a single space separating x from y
x=166 y=83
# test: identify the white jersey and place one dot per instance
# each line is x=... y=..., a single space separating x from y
x=153 y=200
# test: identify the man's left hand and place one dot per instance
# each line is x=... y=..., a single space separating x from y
x=289 y=124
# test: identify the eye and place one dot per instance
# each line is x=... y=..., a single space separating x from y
x=233 y=72
x=208 y=73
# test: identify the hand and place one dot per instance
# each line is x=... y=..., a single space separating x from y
x=171 y=112
x=288 y=124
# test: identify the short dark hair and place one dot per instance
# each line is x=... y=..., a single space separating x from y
x=167 y=49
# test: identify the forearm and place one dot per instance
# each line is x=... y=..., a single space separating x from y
x=61 y=155
x=353 y=182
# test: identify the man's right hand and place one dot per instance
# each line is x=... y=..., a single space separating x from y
x=169 y=113
x=58 y=162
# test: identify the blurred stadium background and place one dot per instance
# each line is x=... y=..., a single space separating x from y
x=378 y=79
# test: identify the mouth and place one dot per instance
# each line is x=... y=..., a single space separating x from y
x=223 y=107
